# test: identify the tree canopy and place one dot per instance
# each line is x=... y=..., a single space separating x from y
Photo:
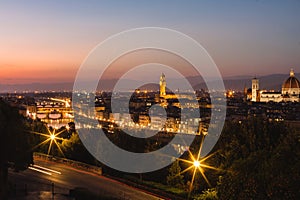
x=14 y=142
x=15 y=149
x=259 y=160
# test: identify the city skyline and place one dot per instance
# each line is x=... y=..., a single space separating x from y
x=46 y=42
x=271 y=82
x=171 y=99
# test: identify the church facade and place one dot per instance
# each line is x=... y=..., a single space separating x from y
x=290 y=91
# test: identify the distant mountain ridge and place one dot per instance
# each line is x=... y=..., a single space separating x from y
x=273 y=81
x=268 y=82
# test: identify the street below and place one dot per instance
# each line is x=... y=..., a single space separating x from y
x=47 y=178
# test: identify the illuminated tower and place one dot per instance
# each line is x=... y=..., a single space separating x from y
x=162 y=85
x=255 y=88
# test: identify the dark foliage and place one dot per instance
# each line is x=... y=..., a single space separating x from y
x=15 y=149
x=260 y=160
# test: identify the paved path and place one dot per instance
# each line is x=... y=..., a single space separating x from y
x=40 y=184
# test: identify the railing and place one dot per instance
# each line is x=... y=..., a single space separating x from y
x=68 y=162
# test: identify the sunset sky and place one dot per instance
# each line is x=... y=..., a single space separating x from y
x=46 y=41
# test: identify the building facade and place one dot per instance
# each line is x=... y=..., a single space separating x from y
x=290 y=91
x=162 y=85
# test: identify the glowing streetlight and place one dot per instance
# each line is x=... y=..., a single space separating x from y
x=196 y=163
x=52 y=137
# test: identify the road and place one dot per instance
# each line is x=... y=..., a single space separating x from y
x=66 y=178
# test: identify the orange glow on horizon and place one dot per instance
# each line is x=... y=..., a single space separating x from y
x=29 y=74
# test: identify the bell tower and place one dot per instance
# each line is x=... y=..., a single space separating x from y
x=255 y=88
x=162 y=85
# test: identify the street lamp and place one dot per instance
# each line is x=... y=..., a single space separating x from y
x=196 y=164
x=52 y=137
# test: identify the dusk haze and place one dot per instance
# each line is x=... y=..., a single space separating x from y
x=48 y=41
x=150 y=100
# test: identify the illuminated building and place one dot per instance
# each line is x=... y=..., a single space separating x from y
x=255 y=89
x=290 y=91
x=54 y=112
x=162 y=85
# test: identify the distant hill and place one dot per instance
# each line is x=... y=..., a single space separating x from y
x=36 y=87
x=268 y=82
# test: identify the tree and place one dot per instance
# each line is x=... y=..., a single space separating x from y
x=174 y=178
x=75 y=150
x=260 y=162
x=209 y=194
x=14 y=144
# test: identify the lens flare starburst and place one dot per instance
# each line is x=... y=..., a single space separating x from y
x=51 y=138
x=197 y=164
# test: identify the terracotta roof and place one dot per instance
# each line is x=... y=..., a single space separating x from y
x=291 y=82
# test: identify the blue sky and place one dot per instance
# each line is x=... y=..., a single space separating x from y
x=53 y=37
